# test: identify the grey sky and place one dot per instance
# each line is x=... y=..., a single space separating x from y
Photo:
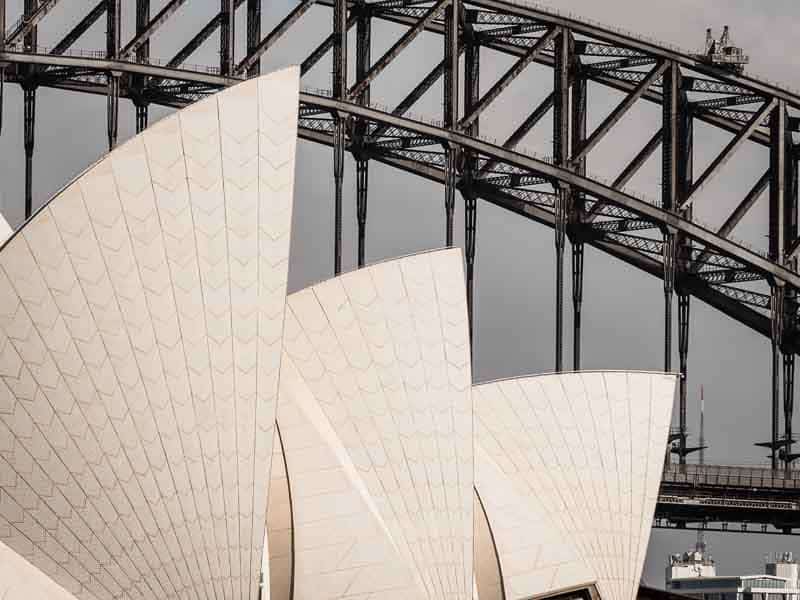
x=515 y=270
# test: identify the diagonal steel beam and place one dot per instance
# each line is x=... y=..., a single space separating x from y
x=320 y=51
x=629 y=171
x=737 y=215
x=729 y=150
x=400 y=45
x=419 y=90
x=521 y=131
x=197 y=41
x=637 y=162
x=155 y=23
x=412 y=97
x=794 y=249
x=26 y=24
x=745 y=205
x=79 y=29
x=508 y=77
x=274 y=35
x=620 y=111
x=529 y=123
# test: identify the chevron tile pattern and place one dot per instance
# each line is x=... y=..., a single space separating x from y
x=568 y=467
x=141 y=324
x=376 y=417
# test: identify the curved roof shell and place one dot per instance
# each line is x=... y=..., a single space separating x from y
x=568 y=467
x=141 y=315
x=375 y=415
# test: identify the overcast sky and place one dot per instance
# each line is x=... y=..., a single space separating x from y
x=515 y=271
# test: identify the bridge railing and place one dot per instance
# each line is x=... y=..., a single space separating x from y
x=731 y=476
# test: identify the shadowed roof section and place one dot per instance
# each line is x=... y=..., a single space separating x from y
x=376 y=419
x=568 y=468
x=141 y=315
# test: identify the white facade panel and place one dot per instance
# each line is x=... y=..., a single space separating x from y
x=568 y=467
x=140 y=336
x=380 y=458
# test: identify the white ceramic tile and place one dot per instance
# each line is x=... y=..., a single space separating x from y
x=577 y=459
x=140 y=338
x=382 y=353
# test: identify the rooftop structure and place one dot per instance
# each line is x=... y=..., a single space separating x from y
x=694 y=563
x=694 y=574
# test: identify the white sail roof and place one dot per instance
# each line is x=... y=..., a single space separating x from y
x=141 y=318
x=376 y=418
x=568 y=467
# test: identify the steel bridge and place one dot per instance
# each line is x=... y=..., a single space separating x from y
x=658 y=236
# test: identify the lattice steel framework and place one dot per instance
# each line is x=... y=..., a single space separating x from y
x=659 y=237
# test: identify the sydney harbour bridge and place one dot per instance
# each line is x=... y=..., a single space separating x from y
x=757 y=288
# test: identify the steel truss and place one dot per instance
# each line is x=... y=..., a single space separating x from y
x=659 y=237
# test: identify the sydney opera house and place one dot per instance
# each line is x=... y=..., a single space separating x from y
x=173 y=425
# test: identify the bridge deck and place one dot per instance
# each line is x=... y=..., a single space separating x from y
x=757 y=499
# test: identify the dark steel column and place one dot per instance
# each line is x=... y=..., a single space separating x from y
x=2 y=65
x=670 y=137
x=677 y=176
x=29 y=110
x=363 y=60
x=777 y=245
x=112 y=108
x=776 y=309
x=683 y=355
x=338 y=178
x=577 y=212
x=788 y=406
x=791 y=301
x=339 y=92
x=142 y=117
x=113 y=25
x=227 y=36
x=669 y=192
x=668 y=257
x=577 y=298
x=362 y=193
x=685 y=172
x=561 y=131
x=790 y=321
x=253 y=34
x=451 y=55
x=142 y=56
x=472 y=66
